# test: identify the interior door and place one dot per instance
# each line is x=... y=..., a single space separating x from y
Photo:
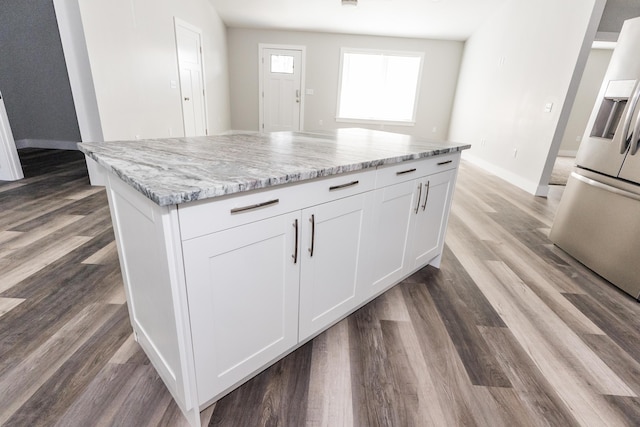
x=281 y=89
x=190 y=66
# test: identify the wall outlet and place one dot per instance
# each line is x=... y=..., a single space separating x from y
x=578 y=138
x=320 y=122
x=434 y=129
x=515 y=153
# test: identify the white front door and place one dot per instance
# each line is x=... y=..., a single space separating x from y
x=10 y=167
x=190 y=66
x=281 y=90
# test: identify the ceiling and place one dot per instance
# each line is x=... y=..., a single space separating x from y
x=434 y=19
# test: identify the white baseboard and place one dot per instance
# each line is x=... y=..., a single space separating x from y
x=238 y=131
x=510 y=177
x=47 y=143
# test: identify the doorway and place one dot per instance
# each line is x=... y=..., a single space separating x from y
x=191 y=74
x=281 y=71
x=585 y=98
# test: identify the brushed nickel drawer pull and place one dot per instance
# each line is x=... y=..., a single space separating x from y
x=312 y=220
x=407 y=171
x=295 y=250
x=424 y=207
x=445 y=162
x=256 y=206
x=348 y=184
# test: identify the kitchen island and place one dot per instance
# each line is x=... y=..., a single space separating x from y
x=235 y=250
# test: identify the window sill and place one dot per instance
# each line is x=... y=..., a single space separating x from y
x=375 y=122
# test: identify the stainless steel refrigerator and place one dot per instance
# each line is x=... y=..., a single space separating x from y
x=598 y=219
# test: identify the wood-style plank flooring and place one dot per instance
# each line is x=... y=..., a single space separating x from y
x=509 y=332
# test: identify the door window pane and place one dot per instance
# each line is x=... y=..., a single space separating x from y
x=282 y=64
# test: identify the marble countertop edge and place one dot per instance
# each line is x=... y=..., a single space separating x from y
x=178 y=189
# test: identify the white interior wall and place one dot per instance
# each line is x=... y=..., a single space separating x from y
x=132 y=52
x=440 y=74
x=592 y=77
x=528 y=54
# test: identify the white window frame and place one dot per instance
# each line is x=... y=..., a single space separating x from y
x=412 y=122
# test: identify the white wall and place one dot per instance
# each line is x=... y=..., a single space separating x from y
x=592 y=77
x=132 y=51
x=526 y=55
x=440 y=74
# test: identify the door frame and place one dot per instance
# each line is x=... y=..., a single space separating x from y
x=76 y=55
x=179 y=22
x=11 y=165
x=303 y=52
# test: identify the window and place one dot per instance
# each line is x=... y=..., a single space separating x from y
x=379 y=86
x=282 y=64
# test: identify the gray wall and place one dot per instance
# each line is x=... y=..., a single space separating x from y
x=616 y=12
x=33 y=73
x=437 y=88
x=132 y=51
x=527 y=56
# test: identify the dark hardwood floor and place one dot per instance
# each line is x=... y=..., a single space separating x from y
x=510 y=331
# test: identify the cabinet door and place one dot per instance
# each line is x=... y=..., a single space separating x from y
x=332 y=257
x=393 y=210
x=242 y=286
x=430 y=222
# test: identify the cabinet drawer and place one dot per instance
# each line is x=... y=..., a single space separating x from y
x=405 y=171
x=208 y=216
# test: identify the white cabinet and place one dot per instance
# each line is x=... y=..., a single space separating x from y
x=244 y=285
x=243 y=300
x=392 y=223
x=241 y=280
x=332 y=261
x=430 y=218
x=259 y=286
x=409 y=224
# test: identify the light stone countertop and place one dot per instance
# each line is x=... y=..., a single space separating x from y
x=179 y=170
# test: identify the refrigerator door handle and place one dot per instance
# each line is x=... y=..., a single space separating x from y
x=635 y=137
x=605 y=187
x=625 y=138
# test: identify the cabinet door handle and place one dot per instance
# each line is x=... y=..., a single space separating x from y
x=312 y=220
x=424 y=207
x=445 y=162
x=419 y=197
x=407 y=171
x=295 y=250
x=256 y=206
x=348 y=184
